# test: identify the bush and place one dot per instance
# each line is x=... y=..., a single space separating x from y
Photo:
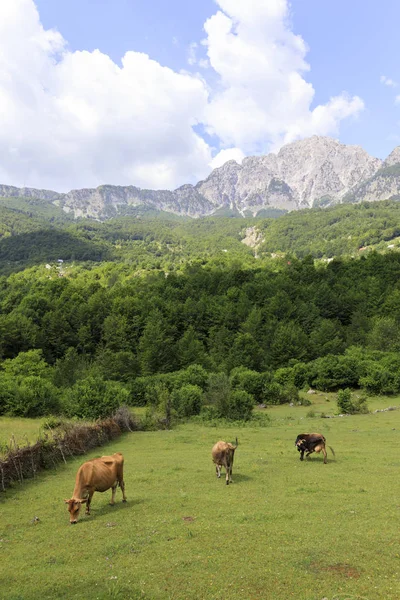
x=218 y=392
x=138 y=391
x=250 y=381
x=94 y=398
x=332 y=372
x=239 y=406
x=187 y=400
x=8 y=393
x=274 y=393
x=34 y=397
x=350 y=406
x=193 y=375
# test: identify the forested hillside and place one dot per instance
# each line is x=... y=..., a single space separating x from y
x=150 y=310
x=272 y=330
x=31 y=234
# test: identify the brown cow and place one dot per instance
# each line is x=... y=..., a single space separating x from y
x=223 y=454
x=96 y=475
x=311 y=442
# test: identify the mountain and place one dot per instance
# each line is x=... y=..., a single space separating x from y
x=317 y=171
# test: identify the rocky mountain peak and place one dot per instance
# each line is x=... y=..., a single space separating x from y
x=393 y=158
x=314 y=171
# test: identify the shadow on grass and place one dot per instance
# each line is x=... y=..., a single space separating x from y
x=239 y=477
x=119 y=505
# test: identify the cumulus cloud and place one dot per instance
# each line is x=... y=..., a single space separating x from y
x=78 y=119
x=264 y=99
x=74 y=119
x=227 y=154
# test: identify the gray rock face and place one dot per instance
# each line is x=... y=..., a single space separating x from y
x=317 y=171
x=9 y=191
x=299 y=176
x=393 y=158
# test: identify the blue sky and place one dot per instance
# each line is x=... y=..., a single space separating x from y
x=247 y=90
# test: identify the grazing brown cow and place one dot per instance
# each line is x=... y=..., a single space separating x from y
x=311 y=442
x=96 y=475
x=223 y=454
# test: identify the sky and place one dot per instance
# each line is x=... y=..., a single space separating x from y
x=156 y=94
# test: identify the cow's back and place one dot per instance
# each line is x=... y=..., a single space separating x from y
x=100 y=474
x=219 y=451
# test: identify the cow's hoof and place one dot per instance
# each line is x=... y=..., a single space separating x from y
x=125 y=500
x=112 y=503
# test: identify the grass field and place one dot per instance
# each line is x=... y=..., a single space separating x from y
x=284 y=529
x=22 y=430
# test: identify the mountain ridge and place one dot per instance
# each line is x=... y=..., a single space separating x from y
x=315 y=171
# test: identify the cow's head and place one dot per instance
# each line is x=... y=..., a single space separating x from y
x=74 y=506
x=301 y=445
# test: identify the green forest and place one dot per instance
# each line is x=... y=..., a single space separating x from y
x=183 y=317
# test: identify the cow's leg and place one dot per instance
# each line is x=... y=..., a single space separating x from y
x=324 y=452
x=218 y=470
x=122 y=486
x=113 y=490
x=87 y=511
x=120 y=480
x=302 y=455
x=227 y=470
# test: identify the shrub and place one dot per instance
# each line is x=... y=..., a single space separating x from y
x=138 y=391
x=333 y=372
x=239 y=406
x=8 y=393
x=94 y=398
x=187 y=400
x=273 y=393
x=193 y=375
x=218 y=392
x=348 y=405
x=250 y=381
x=30 y=363
x=34 y=397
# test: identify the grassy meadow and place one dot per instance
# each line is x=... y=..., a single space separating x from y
x=284 y=529
x=19 y=429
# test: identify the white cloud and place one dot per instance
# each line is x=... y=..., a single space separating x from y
x=78 y=119
x=264 y=99
x=192 y=59
x=387 y=81
x=227 y=154
x=75 y=119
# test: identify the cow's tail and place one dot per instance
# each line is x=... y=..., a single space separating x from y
x=332 y=450
x=237 y=443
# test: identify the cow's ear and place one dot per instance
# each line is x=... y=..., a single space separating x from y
x=82 y=501
x=66 y=501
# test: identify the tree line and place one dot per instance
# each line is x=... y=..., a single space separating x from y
x=226 y=336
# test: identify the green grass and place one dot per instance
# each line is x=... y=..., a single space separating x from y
x=22 y=430
x=284 y=529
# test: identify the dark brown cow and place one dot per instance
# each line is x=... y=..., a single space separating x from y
x=96 y=475
x=223 y=454
x=311 y=442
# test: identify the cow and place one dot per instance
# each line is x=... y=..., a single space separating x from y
x=311 y=442
x=96 y=475
x=223 y=454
